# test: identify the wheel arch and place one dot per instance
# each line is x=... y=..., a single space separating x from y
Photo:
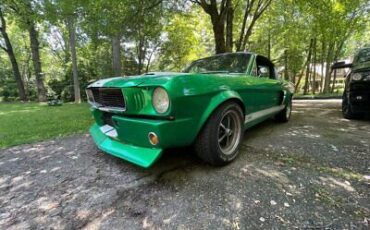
x=218 y=100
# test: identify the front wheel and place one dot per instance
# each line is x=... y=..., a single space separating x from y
x=218 y=142
x=346 y=108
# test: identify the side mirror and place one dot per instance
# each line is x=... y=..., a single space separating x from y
x=341 y=65
x=263 y=71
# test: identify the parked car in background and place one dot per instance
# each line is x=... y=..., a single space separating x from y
x=209 y=105
x=356 y=95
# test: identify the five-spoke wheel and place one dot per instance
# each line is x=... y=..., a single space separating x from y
x=218 y=142
x=229 y=131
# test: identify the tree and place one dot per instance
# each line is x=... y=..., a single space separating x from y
x=65 y=13
x=218 y=14
x=9 y=50
x=188 y=37
x=26 y=15
x=339 y=20
x=253 y=11
x=35 y=51
x=72 y=44
x=108 y=18
x=222 y=16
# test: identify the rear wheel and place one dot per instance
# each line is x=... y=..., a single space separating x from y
x=218 y=142
x=284 y=115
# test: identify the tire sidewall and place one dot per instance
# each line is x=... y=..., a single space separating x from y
x=290 y=106
x=346 y=108
x=220 y=156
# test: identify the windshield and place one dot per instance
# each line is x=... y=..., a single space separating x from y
x=363 y=55
x=226 y=63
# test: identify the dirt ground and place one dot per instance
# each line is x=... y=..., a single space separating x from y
x=310 y=173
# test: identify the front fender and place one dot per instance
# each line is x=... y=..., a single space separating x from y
x=217 y=100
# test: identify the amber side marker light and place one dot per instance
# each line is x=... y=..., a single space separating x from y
x=153 y=138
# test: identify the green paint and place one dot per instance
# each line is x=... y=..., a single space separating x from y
x=193 y=97
x=144 y=157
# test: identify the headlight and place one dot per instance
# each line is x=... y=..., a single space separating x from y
x=356 y=77
x=160 y=100
x=90 y=95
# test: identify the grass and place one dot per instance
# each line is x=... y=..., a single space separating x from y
x=22 y=123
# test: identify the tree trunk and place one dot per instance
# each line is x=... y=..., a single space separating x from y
x=305 y=90
x=334 y=79
x=314 y=67
x=269 y=40
x=329 y=59
x=141 y=52
x=229 y=28
x=67 y=60
x=72 y=45
x=13 y=60
x=116 y=55
x=219 y=34
x=323 y=50
x=286 y=74
x=302 y=71
x=248 y=34
x=41 y=91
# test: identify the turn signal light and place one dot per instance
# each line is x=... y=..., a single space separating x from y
x=153 y=138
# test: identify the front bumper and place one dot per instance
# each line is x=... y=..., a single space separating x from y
x=359 y=97
x=141 y=156
x=131 y=142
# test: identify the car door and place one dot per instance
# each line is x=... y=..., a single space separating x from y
x=263 y=90
x=272 y=85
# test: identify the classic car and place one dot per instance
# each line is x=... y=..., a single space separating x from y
x=356 y=95
x=208 y=105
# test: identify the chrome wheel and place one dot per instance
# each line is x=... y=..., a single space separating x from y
x=229 y=131
x=288 y=111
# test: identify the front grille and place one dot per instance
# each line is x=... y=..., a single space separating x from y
x=109 y=97
x=361 y=86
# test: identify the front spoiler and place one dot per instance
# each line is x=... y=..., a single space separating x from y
x=141 y=156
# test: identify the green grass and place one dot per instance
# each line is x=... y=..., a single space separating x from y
x=22 y=123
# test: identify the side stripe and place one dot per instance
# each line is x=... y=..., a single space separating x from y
x=253 y=116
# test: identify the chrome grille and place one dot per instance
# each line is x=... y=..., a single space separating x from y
x=108 y=97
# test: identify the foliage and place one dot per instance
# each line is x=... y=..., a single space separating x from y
x=167 y=35
x=186 y=39
x=30 y=122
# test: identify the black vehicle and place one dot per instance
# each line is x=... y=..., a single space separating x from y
x=356 y=95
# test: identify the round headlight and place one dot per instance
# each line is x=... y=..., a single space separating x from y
x=356 y=77
x=161 y=101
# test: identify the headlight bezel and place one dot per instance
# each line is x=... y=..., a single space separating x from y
x=161 y=108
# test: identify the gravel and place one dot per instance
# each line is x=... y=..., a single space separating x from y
x=309 y=173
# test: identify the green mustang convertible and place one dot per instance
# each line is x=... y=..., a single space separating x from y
x=208 y=105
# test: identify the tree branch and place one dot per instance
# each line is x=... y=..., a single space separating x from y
x=153 y=5
x=2 y=19
x=3 y=48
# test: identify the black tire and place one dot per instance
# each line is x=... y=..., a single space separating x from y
x=284 y=115
x=208 y=145
x=346 y=109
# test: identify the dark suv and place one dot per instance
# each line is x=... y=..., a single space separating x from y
x=356 y=96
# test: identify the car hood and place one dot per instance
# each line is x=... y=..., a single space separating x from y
x=361 y=66
x=132 y=81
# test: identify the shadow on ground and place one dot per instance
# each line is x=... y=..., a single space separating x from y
x=312 y=172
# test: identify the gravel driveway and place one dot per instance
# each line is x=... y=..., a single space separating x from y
x=312 y=172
